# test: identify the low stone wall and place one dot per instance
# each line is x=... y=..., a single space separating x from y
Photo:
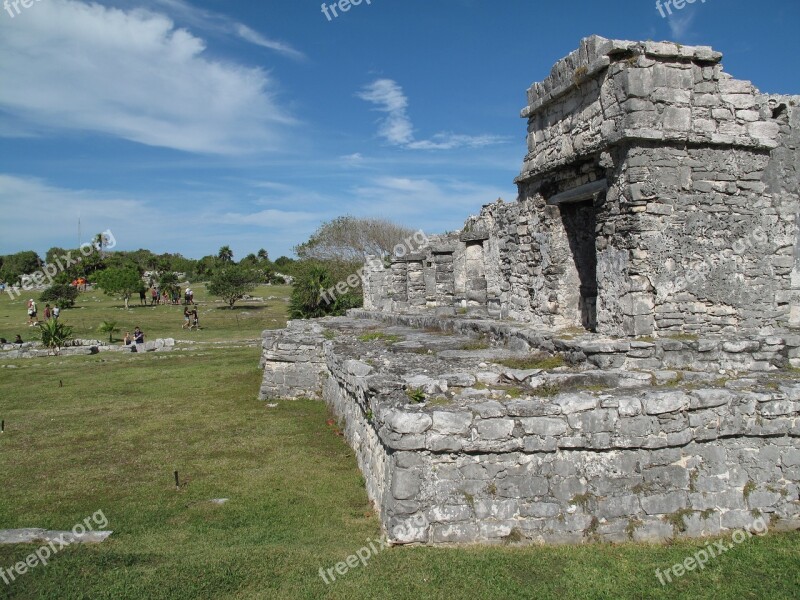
x=477 y=460
x=79 y=348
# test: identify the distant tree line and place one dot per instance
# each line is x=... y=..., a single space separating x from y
x=334 y=253
x=121 y=273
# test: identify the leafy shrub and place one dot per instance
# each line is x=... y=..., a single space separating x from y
x=60 y=294
x=309 y=298
x=55 y=334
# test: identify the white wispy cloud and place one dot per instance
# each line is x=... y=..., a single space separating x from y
x=396 y=128
x=389 y=98
x=679 y=24
x=252 y=36
x=132 y=74
x=210 y=21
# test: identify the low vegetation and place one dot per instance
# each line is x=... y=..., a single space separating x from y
x=537 y=360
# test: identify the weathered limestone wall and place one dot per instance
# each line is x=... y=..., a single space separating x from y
x=658 y=196
x=637 y=463
x=293 y=361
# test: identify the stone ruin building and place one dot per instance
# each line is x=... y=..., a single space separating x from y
x=611 y=356
x=658 y=195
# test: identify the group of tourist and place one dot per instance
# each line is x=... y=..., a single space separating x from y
x=33 y=317
x=159 y=296
x=33 y=311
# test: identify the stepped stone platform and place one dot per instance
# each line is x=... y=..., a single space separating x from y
x=646 y=279
x=456 y=447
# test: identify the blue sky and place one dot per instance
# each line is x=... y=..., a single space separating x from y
x=184 y=125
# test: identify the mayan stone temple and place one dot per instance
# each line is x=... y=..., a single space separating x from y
x=613 y=355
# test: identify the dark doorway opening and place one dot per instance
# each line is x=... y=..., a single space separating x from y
x=580 y=221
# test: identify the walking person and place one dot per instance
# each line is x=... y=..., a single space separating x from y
x=31 y=313
x=47 y=312
x=56 y=312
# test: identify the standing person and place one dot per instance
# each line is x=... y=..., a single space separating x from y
x=191 y=296
x=142 y=297
x=47 y=312
x=31 y=313
x=186 y=295
x=164 y=297
x=153 y=296
x=56 y=312
x=195 y=320
x=186 y=318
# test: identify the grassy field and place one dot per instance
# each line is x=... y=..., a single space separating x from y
x=217 y=322
x=106 y=432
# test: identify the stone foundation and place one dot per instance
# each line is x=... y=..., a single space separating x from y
x=456 y=448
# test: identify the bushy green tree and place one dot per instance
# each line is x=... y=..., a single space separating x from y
x=19 y=264
x=62 y=295
x=232 y=282
x=120 y=282
x=168 y=282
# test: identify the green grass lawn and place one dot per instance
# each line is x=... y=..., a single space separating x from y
x=111 y=437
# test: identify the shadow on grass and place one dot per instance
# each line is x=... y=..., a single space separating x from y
x=243 y=307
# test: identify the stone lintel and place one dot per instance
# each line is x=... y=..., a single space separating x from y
x=587 y=191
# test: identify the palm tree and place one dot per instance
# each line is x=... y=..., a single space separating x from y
x=109 y=327
x=262 y=255
x=55 y=334
x=225 y=254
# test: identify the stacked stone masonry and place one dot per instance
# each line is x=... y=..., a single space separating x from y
x=648 y=278
x=456 y=448
x=658 y=196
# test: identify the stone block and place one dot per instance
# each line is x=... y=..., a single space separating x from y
x=657 y=403
x=408 y=422
x=494 y=429
x=664 y=504
x=545 y=426
x=451 y=422
x=406 y=484
x=456 y=533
